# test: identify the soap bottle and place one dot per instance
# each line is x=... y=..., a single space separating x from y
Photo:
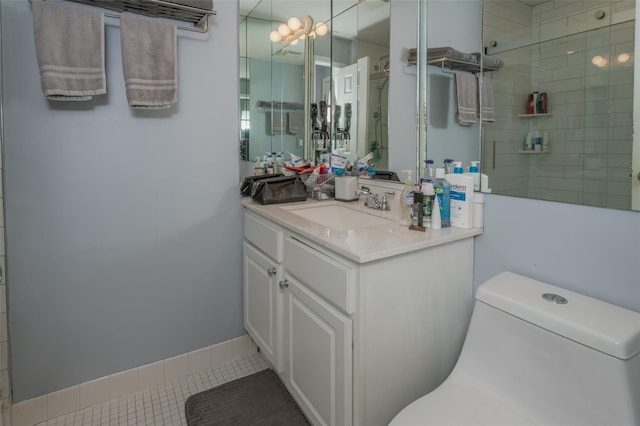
x=406 y=199
x=430 y=171
x=443 y=193
x=461 y=197
x=474 y=171
x=448 y=168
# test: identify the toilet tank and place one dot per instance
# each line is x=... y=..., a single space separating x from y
x=560 y=357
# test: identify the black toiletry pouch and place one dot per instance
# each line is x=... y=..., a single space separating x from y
x=282 y=189
x=249 y=181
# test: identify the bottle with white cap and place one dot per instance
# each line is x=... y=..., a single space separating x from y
x=461 y=197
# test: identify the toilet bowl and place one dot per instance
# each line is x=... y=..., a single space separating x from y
x=536 y=354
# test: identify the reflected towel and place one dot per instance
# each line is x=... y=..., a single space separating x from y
x=276 y=124
x=450 y=53
x=295 y=123
x=149 y=61
x=489 y=61
x=200 y=4
x=466 y=89
x=69 y=44
x=487 y=99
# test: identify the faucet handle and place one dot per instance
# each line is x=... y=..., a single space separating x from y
x=383 y=202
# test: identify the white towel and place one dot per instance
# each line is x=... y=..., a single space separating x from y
x=70 y=50
x=487 y=99
x=466 y=89
x=149 y=61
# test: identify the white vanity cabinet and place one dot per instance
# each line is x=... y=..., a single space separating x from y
x=356 y=339
x=262 y=271
x=318 y=331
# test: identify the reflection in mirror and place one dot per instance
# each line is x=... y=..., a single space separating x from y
x=360 y=81
x=346 y=111
x=577 y=57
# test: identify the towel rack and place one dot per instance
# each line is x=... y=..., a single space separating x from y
x=199 y=18
x=287 y=106
x=447 y=64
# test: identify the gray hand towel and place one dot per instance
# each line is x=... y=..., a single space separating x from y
x=295 y=123
x=487 y=100
x=449 y=53
x=489 y=61
x=149 y=61
x=466 y=89
x=70 y=50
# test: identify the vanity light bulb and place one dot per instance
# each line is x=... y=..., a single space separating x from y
x=294 y=23
x=623 y=58
x=599 y=61
x=274 y=36
x=283 y=30
x=321 y=29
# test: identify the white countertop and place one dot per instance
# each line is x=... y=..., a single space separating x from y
x=364 y=243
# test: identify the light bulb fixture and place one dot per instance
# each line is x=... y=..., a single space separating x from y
x=297 y=29
x=599 y=61
x=623 y=58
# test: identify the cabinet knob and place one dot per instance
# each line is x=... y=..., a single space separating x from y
x=284 y=284
x=272 y=272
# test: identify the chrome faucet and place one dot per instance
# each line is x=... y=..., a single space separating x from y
x=379 y=202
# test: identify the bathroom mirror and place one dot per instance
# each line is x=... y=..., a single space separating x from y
x=350 y=78
x=581 y=56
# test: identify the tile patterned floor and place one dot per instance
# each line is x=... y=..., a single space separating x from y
x=160 y=406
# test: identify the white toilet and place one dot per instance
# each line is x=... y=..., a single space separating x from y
x=536 y=354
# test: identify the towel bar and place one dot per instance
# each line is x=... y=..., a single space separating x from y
x=199 y=18
x=448 y=65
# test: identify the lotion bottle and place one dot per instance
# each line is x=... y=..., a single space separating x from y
x=461 y=197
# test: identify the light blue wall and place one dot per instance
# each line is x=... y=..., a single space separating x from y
x=123 y=228
x=591 y=250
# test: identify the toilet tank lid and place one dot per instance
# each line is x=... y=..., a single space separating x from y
x=599 y=325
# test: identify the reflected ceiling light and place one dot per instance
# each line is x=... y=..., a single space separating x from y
x=623 y=58
x=297 y=29
x=599 y=61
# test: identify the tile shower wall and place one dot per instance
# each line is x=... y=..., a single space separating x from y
x=590 y=126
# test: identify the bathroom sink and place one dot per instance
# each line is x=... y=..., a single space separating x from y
x=336 y=217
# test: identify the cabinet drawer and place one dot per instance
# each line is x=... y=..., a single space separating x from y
x=325 y=275
x=264 y=235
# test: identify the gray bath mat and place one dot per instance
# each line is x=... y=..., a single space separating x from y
x=258 y=399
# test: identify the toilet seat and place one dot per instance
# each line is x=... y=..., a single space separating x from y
x=461 y=403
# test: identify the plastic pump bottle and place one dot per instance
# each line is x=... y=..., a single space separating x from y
x=430 y=171
x=461 y=197
x=443 y=193
x=406 y=199
x=474 y=171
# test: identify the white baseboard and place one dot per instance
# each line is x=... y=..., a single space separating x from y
x=64 y=401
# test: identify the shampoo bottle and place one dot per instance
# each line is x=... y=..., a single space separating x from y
x=428 y=194
x=443 y=193
x=406 y=199
x=461 y=197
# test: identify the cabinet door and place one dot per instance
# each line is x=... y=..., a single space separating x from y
x=261 y=307
x=319 y=351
